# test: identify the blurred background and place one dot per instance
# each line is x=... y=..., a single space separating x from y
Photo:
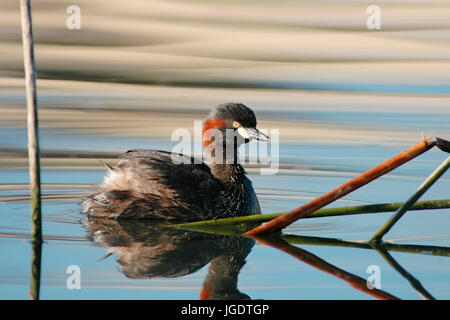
x=313 y=69
x=343 y=96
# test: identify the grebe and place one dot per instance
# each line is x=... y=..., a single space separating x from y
x=147 y=184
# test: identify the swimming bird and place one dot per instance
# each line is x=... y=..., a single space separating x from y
x=149 y=184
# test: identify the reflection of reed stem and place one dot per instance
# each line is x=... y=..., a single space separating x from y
x=318 y=241
x=320 y=264
x=410 y=202
x=413 y=281
x=406 y=248
x=283 y=221
x=33 y=143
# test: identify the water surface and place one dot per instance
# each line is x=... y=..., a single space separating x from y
x=344 y=99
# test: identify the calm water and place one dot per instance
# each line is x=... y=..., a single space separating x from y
x=144 y=263
x=345 y=98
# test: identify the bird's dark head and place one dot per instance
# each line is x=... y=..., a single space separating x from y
x=232 y=117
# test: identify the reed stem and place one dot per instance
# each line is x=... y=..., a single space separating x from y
x=33 y=141
x=327 y=212
x=283 y=221
x=410 y=202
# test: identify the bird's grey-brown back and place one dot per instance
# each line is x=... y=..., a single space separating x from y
x=147 y=184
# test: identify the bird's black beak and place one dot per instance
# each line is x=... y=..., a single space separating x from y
x=252 y=133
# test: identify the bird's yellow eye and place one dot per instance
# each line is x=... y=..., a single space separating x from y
x=236 y=124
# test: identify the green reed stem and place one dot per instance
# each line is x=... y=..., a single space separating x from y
x=243 y=222
x=35 y=278
x=409 y=204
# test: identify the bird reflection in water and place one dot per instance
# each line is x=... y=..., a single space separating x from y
x=146 y=251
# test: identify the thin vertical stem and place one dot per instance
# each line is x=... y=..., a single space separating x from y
x=32 y=123
x=410 y=202
x=35 y=278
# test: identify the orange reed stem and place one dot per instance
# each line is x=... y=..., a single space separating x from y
x=286 y=219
